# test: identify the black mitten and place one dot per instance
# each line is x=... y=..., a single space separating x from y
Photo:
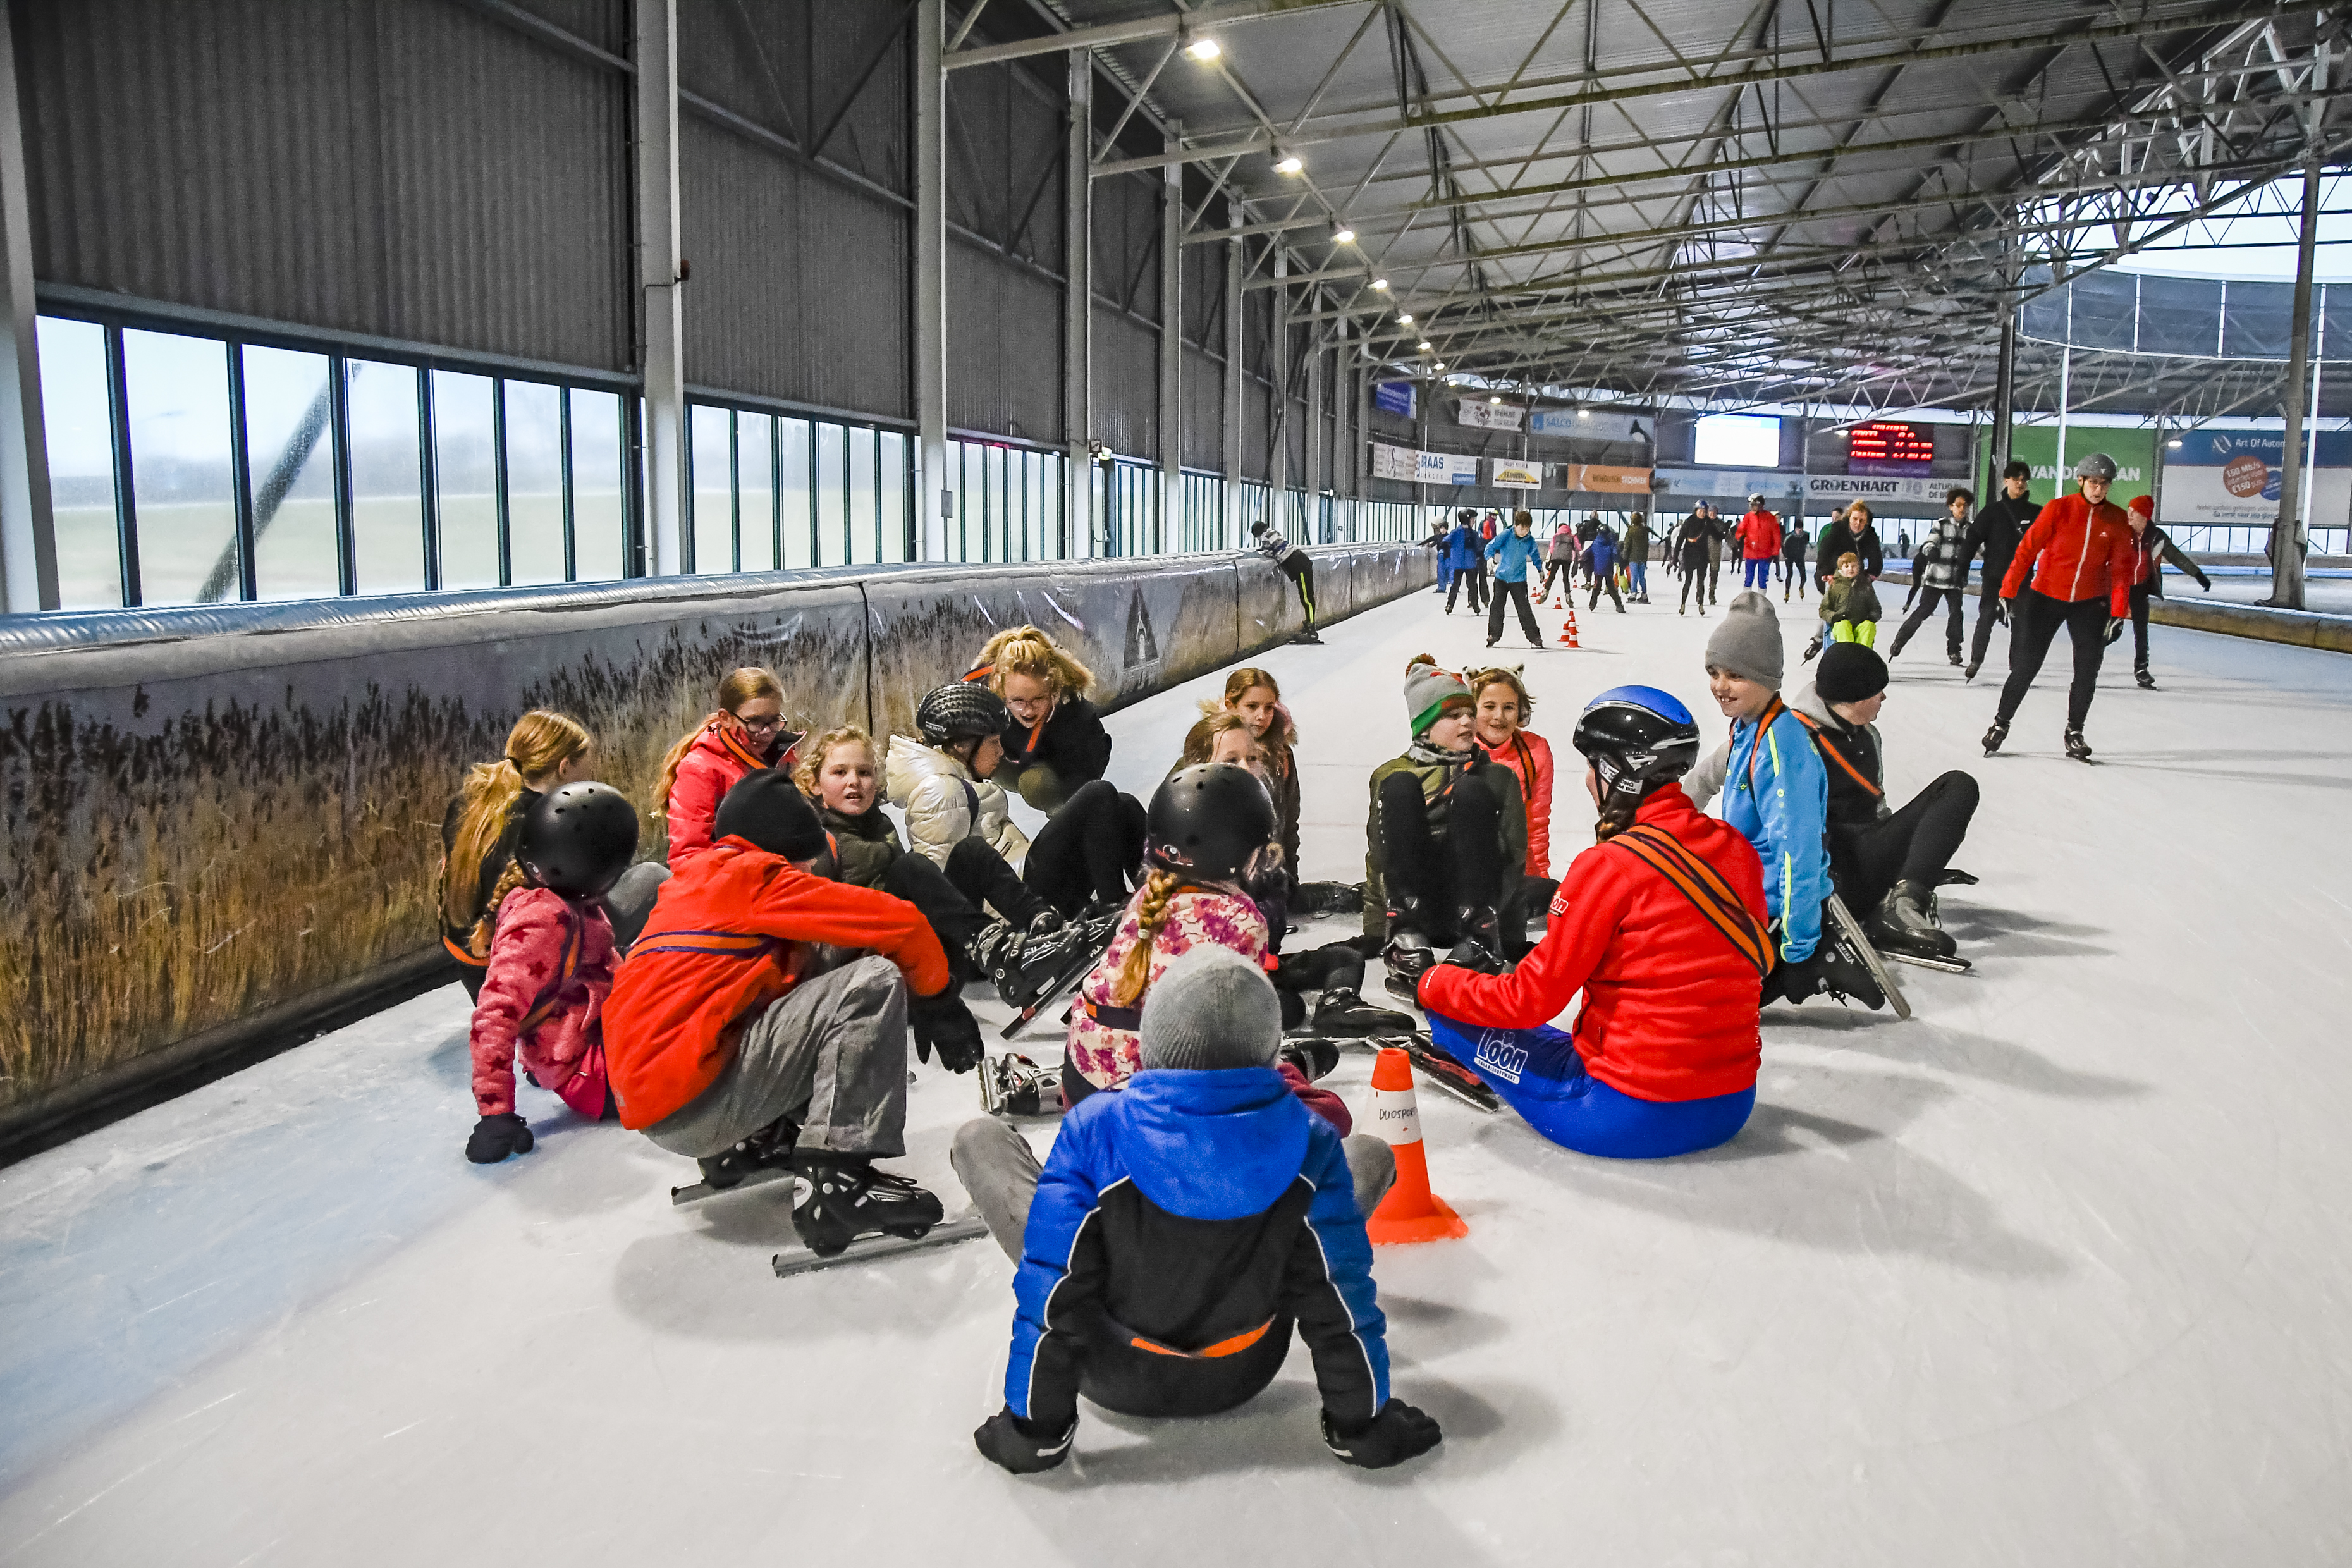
x=943 y=1024
x=1473 y=954
x=1397 y=1434
x=1023 y=1446
x=496 y=1137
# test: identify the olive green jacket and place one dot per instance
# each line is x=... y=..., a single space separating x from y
x=1433 y=778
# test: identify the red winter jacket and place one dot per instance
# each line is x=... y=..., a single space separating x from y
x=1528 y=755
x=1760 y=536
x=2075 y=551
x=721 y=755
x=1669 y=1004
x=542 y=1000
x=728 y=935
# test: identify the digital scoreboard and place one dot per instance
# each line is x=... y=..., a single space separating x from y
x=1885 y=447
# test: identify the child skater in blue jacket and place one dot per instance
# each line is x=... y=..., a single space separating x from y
x=1776 y=793
x=1180 y=1230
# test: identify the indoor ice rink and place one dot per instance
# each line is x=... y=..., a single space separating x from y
x=385 y=377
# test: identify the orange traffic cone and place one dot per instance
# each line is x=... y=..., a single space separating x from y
x=1568 y=630
x=1411 y=1211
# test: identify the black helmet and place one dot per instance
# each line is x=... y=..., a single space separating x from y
x=1637 y=738
x=578 y=840
x=963 y=711
x=1209 y=822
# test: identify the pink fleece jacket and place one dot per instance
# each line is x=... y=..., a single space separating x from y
x=543 y=1001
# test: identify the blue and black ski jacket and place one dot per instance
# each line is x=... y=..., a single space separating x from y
x=1182 y=1227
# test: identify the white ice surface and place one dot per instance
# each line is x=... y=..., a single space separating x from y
x=2057 y=1272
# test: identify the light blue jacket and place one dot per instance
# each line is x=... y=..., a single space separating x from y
x=1512 y=556
x=1776 y=793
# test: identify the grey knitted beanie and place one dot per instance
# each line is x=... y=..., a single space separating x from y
x=1747 y=643
x=1209 y=1009
x=1428 y=690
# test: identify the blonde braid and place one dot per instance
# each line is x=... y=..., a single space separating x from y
x=478 y=943
x=1150 y=914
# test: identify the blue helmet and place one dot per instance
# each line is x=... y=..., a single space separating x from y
x=1637 y=738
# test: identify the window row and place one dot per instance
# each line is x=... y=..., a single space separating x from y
x=1009 y=504
x=771 y=493
x=193 y=470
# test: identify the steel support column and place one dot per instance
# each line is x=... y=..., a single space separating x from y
x=28 y=538
x=1171 y=347
x=2288 y=541
x=1277 y=467
x=1233 y=387
x=1078 y=311
x=2004 y=385
x=1314 y=485
x=662 y=352
x=933 y=499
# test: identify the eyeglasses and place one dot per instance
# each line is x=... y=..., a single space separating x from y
x=760 y=726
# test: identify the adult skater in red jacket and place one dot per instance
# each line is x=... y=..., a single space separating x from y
x=1759 y=544
x=1662 y=926
x=2080 y=560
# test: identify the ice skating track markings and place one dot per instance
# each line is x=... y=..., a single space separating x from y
x=2055 y=1272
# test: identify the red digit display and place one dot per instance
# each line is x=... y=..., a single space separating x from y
x=1884 y=443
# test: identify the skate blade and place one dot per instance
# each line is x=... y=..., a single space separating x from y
x=874 y=1248
x=1870 y=959
x=1948 y=965
x=1471 y=1090
x=680 y=1196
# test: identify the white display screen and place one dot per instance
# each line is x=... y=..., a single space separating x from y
x=1738 y=440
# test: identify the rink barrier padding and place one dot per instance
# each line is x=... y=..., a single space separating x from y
x=224 y=820
x=2296 y=628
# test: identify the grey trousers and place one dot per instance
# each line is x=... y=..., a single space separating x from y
x=993 y=1162
x=831 y=1052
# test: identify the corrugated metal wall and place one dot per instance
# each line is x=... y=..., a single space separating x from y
x=1203 y=391
x=1004 y=162
x=1004 y=346
x=1126 y=383
x=412 y=170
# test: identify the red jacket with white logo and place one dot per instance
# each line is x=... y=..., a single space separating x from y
x=718 y=762
x=1670 y=1005
x=729 y=935
x=2076 y=550
x=1760 y=536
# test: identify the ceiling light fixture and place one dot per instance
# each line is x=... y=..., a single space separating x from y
x=1425 y=345
x=1381 y=284
x=1204 y=49
x=1344 y=237
x=1404 y=320
x=1584 y=413
x=1495 y=401
x=1288 y=164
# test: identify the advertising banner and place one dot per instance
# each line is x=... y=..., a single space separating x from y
x=1737 y=484
x=1401 y=463
x=1512 y=474
x=1480 y=415
x=1394 y=396
x=1591 y=424
x=1607 y=478
x=2054 y=473
x=1836 y=489
x=1446 y=468
x=2232 y=476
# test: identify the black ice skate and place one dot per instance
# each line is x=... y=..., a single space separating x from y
x=1955 y=658
x=2076 y=747
x=1309 y=635
x=1328 y=898
x=1971 y=673
x=762 y=1157
x=1312 y=1056
x=1408 y=952
x=1850 y=967
x=1021 y=964
x=1342 y=1013
x=1012 y=1085
x=836 y=1198
x=1903 y=926
x=1994 y=736
x=2147 y=682
x=1073 y=950
x=1813 y=649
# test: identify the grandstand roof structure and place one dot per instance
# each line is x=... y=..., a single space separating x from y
x=1718 y=201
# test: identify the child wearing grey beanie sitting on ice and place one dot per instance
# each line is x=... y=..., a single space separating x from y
x=1180 y=1228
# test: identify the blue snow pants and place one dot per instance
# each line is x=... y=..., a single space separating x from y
x=1539 y=1075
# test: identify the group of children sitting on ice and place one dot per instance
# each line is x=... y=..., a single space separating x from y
x=751 y=1003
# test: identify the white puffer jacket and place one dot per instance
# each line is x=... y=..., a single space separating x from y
x=945 y=804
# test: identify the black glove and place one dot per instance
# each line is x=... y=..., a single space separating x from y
x=1023 y=1446
x=1397 y=1434
x=496 y=1137
x=1473 y=954
x=2115 y=624
x=2206 y=583
x=944 y=1023
x=2001 y=611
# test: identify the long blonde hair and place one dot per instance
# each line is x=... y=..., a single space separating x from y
x=540 y=742
x=812 y=761
x=738 y=686
x=1150 y=914
x=1030 y=651
x=1200 y=740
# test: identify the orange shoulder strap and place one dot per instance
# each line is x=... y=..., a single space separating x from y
x=1703 y=886
x=1822 y=745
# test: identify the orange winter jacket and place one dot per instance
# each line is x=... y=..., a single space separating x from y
x=2076 y=550
x=730 y=933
